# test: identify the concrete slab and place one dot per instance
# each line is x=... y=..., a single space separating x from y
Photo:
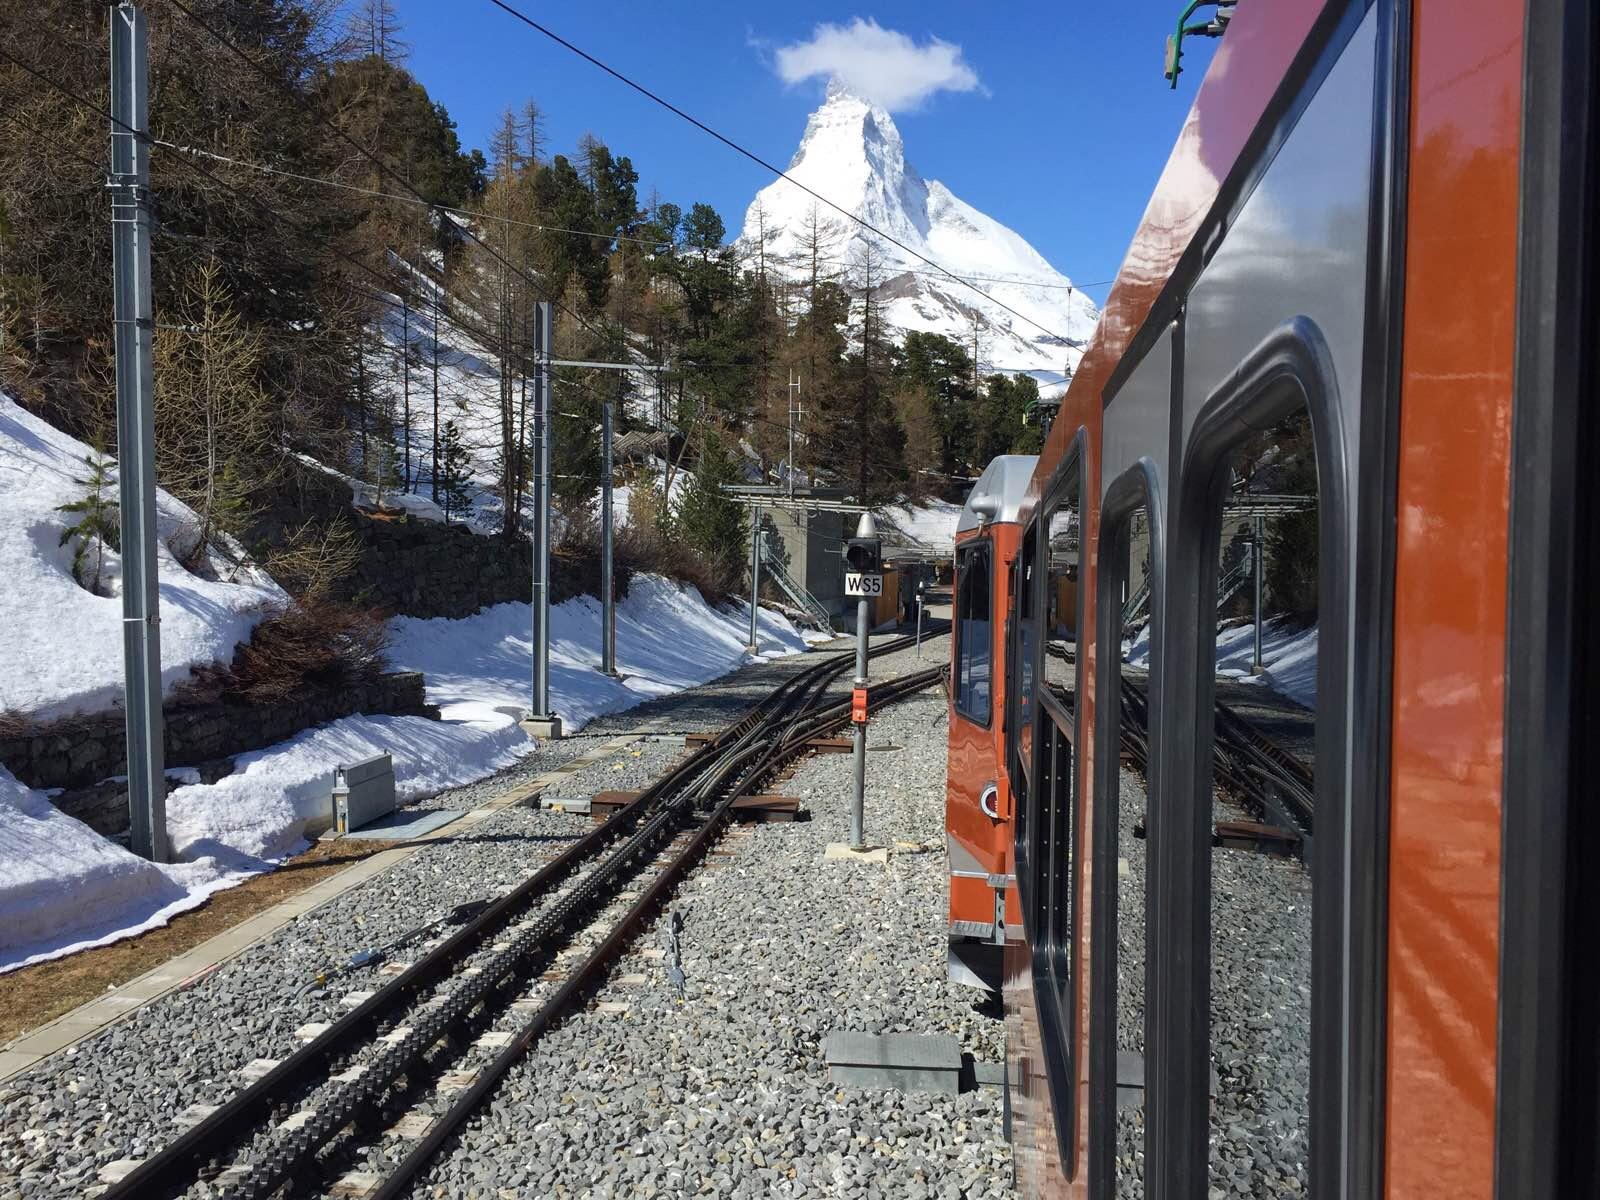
x=872 y=855
x=543 y=728
x=14 y=1062
x=405 y=824
x=258 y=1068
x=116 y=1172
x=905 y=1062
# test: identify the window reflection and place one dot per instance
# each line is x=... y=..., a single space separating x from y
x=974 y=635
x=1261 y=886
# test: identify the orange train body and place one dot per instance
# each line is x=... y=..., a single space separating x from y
x=1389 y=214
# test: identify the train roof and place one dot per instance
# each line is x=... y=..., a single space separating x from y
x=1000 y=490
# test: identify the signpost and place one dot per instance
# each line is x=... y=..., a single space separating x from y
x=857 y=583
x=862 y=579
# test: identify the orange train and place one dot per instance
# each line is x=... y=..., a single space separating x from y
x=1381 y=220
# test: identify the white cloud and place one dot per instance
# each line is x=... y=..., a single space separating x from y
x=883 y=65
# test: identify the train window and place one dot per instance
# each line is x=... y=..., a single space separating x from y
x=1059 y=603
x=974 y=633
x=1263 y=761
x=1052 y=840
x=1123 y=782
x=1020 y=739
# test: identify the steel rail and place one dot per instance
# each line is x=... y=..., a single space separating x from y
x=178 y=1164
x=589 y=972
x=204 y=1145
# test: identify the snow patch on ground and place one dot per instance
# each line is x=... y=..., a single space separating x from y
x=64 y=888
x=64 y=644
x=1288 y=657
x=668 y=638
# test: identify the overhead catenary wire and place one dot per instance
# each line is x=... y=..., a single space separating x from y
x=761 y=162
x=470 y=214
x=484 y=337
x=598 y=235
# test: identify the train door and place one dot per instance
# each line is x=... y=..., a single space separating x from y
x=976 y=918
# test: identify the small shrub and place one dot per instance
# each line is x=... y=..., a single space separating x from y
x=99 y=524
x=314 y=558
x=650 y=549
x=309 y=643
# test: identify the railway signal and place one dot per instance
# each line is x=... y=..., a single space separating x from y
x=863 y=556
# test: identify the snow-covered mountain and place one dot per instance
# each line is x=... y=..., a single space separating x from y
x=852 y=153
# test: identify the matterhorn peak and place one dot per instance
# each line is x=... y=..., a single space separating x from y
x=852 y=154
x=838 y=89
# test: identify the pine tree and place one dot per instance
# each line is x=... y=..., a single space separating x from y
x=217 y=442
x=453 y=473
x=707 y=518
x=98 y=525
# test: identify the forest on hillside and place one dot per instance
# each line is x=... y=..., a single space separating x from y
x=309 y=198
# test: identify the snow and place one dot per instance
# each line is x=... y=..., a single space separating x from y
x=931 y=524
x=853 y=154
x=1288 y=657
x=65 y=643
x=63 y=888
x=668 y=638
x=273 y=796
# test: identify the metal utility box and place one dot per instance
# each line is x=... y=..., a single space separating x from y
x=362 y=792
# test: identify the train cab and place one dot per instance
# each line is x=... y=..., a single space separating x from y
x=978 y=798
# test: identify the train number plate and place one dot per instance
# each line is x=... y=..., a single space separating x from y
x=858 y=584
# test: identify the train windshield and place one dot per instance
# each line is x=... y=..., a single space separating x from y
x=974 y=635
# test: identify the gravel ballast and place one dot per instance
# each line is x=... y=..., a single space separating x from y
x=725 y=1091
x=1260 y=1011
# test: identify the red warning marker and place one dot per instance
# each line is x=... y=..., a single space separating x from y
x=858 y=706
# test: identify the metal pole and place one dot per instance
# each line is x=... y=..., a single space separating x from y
x=794 y=388
x=544 y=721
x=858 y=800
x=755 y=575
x=865 y=527
x=919 y=622
x=608 y=599
x=1259 y=564
x=134 y=323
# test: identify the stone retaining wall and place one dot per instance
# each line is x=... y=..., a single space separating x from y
x=420 y=568
x=79 y=753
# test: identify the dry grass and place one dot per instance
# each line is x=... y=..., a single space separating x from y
x=39 y=994
x=311 y=642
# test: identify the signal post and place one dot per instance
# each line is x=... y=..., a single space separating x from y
x=863 y=579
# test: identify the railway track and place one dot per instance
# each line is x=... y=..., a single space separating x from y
x=417 y=1056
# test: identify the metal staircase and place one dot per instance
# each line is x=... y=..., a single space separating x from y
x=1242 y=573
x=804 y=600
x=1136 y=603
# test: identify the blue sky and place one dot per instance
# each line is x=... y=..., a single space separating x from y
x=1061 y=137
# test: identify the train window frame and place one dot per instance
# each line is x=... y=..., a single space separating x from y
x=979 y=545
x=1069 y=475
x=1138 y=488
x=1291 y=369
x=1054 y=967
x=1017 y=764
